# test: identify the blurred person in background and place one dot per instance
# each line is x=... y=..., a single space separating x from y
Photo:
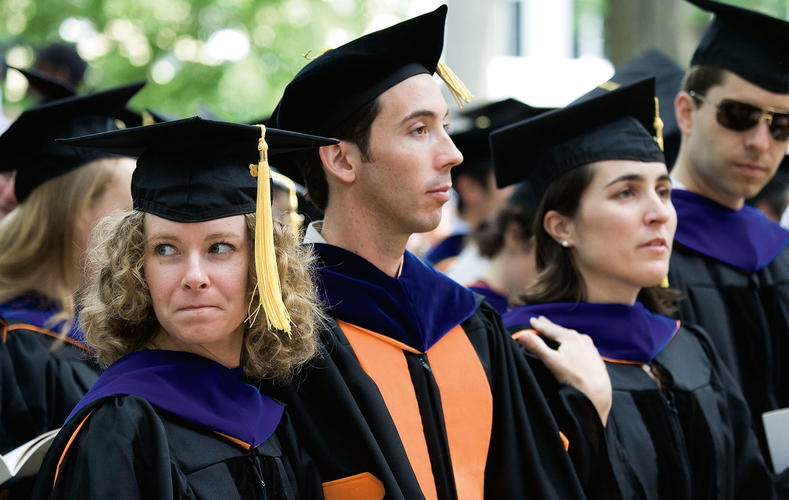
x=62 y=62
x=507 y=242
x=478 y=198
x=63 y=192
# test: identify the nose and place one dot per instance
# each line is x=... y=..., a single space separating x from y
x=660 y=210
x=195 y=276
x=450 y=155
x=759 y=136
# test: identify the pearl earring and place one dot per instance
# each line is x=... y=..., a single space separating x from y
x=564 y=243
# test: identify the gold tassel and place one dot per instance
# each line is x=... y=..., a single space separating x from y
x=268 y=285
x=147 y=118
x=664 y=283
x=294 y=217
x=456 y=87
x=609 y=85
x=658 y=124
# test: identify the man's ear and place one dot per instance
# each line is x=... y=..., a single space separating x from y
x=341 y=161
x=559 y=227
x=683 y=108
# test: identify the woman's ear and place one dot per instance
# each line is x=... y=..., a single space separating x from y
x=559 y=227
x=340 y=161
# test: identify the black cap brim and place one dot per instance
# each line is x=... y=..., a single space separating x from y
x=532 y=149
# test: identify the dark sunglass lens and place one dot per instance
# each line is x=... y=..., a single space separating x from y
x=738 y=115
x=779 y=128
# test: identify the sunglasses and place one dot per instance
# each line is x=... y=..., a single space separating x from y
x=739 y=116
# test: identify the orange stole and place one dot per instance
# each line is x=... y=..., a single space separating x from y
x=465 y=398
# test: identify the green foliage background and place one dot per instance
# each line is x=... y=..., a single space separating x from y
x=280 y=33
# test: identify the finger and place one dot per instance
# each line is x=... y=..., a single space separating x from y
x=535 y=345
x=549 y=329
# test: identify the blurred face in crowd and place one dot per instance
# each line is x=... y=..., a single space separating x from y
x=197 y=275
x=729 y=165
x=406 y=179
x=520 y=261
x=116 y=197
x=621 y=235
x=7 y=197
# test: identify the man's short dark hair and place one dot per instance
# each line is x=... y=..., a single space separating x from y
x=355 y=129
x=701 y=78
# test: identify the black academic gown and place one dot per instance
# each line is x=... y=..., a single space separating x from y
x=691 y=440
x=690 y=437
x=125 y=448
x=121 y=445
x=746 y=314
x=463 y=418
x=43 y=378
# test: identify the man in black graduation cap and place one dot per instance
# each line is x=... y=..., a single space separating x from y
x=478 y=198
x=729 y=260
x=419 y=393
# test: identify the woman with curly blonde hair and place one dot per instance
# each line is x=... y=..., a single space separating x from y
x=193 y=295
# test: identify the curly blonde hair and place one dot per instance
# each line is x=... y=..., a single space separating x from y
x=117 y=313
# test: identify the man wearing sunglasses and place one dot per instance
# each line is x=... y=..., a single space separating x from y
x=729 y=260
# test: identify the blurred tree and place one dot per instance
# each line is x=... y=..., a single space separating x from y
x=231 y=58
x=674 y=26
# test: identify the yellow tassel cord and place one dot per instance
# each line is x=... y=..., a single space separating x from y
x=658 y=124
x=295 y=219
x=458 y=89
x=609 y=85
x=664 y=283
x=268 y=285
x=147 y=118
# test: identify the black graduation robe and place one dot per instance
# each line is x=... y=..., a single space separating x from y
x=124 y=446
x=742 y=304
x=43 y=378
x=420 y=393
x=690 y=439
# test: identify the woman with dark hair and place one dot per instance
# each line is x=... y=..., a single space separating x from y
x=191 y=299
x=506 y=241
x=678 y=427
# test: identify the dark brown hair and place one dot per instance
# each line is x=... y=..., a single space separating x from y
x=702 y=78
x=490 y=236
x=558 y=278
x=355 y=129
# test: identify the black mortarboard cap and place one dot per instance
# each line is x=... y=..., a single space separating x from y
x=668 y=81
x=750 y=44
x=473 y=142
x=329 y=89
x=47 y=87
x=28 y=145
x=616 y=125
x=193 y=170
